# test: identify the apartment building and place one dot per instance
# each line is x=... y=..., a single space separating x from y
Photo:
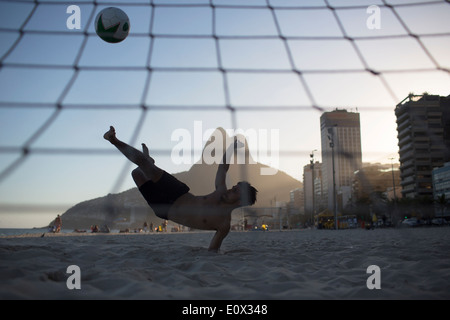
x=423 y=131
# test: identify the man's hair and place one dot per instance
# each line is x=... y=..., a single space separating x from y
x=250 y=192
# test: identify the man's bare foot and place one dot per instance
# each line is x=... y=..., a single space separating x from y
x=145 y=150
x=147 y=153
x=110 y=135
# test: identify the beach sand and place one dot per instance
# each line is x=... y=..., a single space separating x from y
x=298 y=264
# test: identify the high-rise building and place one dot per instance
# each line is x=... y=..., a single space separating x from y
x=296 y=201
x=341 y=140
x=312 y=188
x=423 y=131
x=376 y=178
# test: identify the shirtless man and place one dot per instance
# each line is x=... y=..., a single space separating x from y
x=170 y=199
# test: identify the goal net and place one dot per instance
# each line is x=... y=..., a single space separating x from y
x=267 y=69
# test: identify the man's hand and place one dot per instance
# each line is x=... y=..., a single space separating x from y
x=223 y=167
x=238 y=144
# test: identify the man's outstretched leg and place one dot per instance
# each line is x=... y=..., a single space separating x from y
x=142 y=159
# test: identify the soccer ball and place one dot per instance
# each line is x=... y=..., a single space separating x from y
x=112 y=25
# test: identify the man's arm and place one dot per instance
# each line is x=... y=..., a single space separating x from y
x=225 y=165
x=217 y=240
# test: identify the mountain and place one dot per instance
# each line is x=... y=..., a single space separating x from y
x=128 y=209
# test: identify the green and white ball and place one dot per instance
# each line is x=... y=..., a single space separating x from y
x=112 y=25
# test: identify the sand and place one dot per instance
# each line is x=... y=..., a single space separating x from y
x=298 y=264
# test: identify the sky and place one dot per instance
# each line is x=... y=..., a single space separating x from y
x=278 y=67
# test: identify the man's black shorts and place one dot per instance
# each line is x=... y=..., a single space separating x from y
x=162 y=194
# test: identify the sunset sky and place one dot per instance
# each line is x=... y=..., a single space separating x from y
x=278 y=67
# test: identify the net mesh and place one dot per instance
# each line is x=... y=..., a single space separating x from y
x=49 y=73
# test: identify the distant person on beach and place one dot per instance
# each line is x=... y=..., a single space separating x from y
x=58 y=224
x=374 y=221
x=170 y=199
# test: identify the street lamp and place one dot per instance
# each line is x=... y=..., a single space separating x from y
x=393 y=179
x=393 y=185
x=331 y=138
x=312 y=186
